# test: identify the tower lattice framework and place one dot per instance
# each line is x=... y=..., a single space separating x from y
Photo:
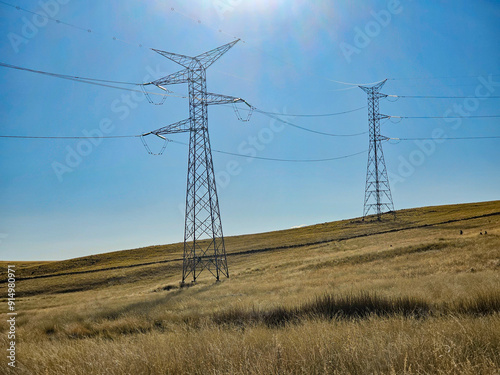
x=204 y=247
x=378 y=197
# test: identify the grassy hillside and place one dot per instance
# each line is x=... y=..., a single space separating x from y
x=410 y=295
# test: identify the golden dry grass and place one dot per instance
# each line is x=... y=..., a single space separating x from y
x=124 y=313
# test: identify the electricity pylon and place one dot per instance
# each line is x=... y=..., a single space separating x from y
x=378 y=197
x=202 y=217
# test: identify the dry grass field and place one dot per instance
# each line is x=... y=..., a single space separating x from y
x=404 y=296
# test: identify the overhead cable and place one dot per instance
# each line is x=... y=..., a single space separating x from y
x=451 y=117
x=94 y=81
x=58 y=21
x=277 y=118
x=185 y=144
x=442 y=138
x=313 y=115
x=445 y=77
x=443 y=97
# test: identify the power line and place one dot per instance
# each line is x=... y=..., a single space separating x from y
x=65 y=76
x=198 y=21
x=431 y=78
x=445 y=138
x=305 y=129
x=58 y=21
x=94 y=81
x=45 y=16
x=69 y=137
x=294 y=160
x=104 y=83
x=185 y=144
x=443 y=97
x=277 y=159
x=315 y=115
x=452 y=117
x=440 y=85
x=122 y=40
x=240 y=155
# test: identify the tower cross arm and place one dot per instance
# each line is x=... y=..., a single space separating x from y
x=176 y=78
x=208 y=58
x=205 y=59
x=374 y=89
x=223 y=99
x=177 y=127
x=183 y=60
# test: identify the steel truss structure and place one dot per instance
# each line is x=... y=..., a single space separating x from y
x=204 y=247
x=378 y=197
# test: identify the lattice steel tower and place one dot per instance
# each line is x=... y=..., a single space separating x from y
x=378 y=197
x=203 y=238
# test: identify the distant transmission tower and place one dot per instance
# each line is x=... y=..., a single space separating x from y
x=202 y=220
x=378 y=197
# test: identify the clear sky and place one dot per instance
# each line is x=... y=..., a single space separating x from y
x=67 y=198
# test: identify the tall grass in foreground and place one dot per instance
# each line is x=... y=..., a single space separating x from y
x=375 y=345
x=111 y=323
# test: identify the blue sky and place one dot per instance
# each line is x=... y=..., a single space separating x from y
x=115 y=196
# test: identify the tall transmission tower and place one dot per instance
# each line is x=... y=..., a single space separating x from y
x=203 y=238
x=378 y=197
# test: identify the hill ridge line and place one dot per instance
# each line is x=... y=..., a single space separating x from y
x=245 y=252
